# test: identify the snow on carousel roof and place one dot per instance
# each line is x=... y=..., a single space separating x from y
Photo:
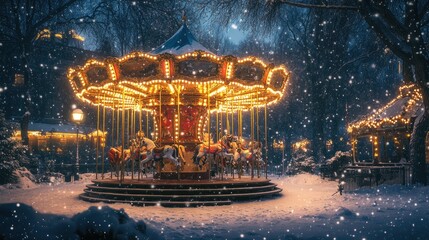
x=180 y=43
x=397 y=113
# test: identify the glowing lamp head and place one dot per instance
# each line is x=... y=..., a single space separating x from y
x=77 y=115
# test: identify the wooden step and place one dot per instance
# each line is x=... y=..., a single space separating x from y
x=180 y=191
x=158 y=203
x=182 y=184
x=180 y=197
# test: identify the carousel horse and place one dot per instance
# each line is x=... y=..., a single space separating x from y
x=174 y=153
x=229 y=155
x=251 y=154
x=229 y=147
x=138 y=151
x=226 y=148
x=202 y=151
x=116 y=159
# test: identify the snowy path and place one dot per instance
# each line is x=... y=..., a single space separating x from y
x=306 y=210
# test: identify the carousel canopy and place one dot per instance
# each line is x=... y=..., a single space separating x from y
x=180 y=43
x=398 y=113
x=180 y=72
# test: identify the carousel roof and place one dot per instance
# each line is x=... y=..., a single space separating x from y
x=180 y=43
x=398 y=113
x=181 y=71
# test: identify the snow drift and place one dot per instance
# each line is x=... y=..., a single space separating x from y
x=20 y=221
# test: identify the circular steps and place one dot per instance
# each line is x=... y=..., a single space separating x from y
x=178 y=193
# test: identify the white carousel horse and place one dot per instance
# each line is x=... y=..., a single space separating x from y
x=229 y=148
x=229 y=155
x=226 y=148
x=251 y=154
x=202 y=151
x=174 y=153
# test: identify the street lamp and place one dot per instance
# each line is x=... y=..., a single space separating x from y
x=77 y=116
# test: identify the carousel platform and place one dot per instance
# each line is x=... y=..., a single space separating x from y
x=179 y=193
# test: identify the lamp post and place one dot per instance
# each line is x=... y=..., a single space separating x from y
x=77 y=116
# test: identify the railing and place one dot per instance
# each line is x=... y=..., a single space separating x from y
x=371 y=176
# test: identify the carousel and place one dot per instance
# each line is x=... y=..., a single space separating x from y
x=176 y=118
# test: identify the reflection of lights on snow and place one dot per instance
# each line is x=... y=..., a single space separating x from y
x=234 y=26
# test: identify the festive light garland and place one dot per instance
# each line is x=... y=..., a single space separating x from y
x=227 y=89
x=375 y=120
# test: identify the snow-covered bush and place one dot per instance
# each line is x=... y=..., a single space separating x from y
x=51 y=177
x=12 y=152
x=334 y=166
x=20 y=221
x=107 y=223
x=301 y=163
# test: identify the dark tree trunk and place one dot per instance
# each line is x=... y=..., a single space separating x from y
x=24 y=127
x=421 y=126
x=318 y=87
x=25 y=68
x=417 y=149
x=318 y=123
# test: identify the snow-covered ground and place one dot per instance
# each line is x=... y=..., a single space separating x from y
x=307 y=209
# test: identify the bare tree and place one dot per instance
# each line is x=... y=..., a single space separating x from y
x=134 y=25
x=20 y=23
x=401 y=25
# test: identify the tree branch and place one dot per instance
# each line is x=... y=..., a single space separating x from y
x=355 y=60
x=54 y=12
x=16 y=18
x=308 y=5
x=424 y=10
x=390 y=19
x=390 y=39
